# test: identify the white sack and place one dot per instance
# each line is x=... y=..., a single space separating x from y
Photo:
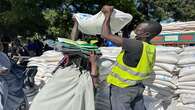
x=186 y=87
x=186 y=53
x=187 y=98
x=189 y=48
x=160 y=77
x=171 y=59
x=152 y=103
x=34 y=63
x=187 y=71
x=158 y=86
x=36 y=59
x=164 y=83
x=190 y=83
x=187 y=78
x=181 y=106
x=110 y=52
x=155 y=95
x=165 y=73
x=157 y=68
x=157 y=91
x=190 y=59
x=182 y=91
x=104 y=66
x=92 y=24
x=52 y=53
x=186 y=65
x=171 y=53
x=165 y=66
x=168 y=49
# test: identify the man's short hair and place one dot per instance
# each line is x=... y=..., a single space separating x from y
x=153 y=27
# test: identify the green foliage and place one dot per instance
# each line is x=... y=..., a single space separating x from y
x=180 y=10
x=22 y=18
x=54 y=17
x=183 y=10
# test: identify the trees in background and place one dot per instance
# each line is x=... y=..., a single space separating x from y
x=53 y=17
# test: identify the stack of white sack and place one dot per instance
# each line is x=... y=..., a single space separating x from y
x=46 y=63
x=186 y=82
x=162 y=82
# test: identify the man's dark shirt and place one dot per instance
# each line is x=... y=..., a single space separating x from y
x=133 y=51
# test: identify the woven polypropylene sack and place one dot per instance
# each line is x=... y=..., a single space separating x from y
x=187 y=78
x=189 y=83
x=164 y=58
x=187 y=71
x=165 y=73
x=92 y=24
x=181 y=106
x=187 y=98
x=160 y=77
x=168 y=49
x=110 y=52
x=166 y=66
x=164 y=83
x=189 y=59
x=157 y=68
x=186 y=53
x=189 y=48
x=104 y=67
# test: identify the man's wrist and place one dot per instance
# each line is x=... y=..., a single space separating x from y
x=93 y=64
x=94 y=75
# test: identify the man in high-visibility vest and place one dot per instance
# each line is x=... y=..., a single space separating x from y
x=133 y=65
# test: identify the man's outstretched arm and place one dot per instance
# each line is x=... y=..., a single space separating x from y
x=106 y=31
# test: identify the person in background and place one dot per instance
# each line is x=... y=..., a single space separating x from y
x=38 y=47
x=5 y=66
x=133 y=65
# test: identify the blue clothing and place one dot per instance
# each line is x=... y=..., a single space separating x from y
x=4 y=61
x=109 y=43
x=11 y=85
x=3 y=93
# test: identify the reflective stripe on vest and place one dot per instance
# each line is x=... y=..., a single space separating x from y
x=130 y=82
x=131 y=71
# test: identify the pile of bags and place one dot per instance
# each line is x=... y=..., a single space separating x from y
x=178 y=27
x=162 y=83
x=186 y=82
x=45 y=63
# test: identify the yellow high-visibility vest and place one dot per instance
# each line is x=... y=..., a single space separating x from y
x=122 y=75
